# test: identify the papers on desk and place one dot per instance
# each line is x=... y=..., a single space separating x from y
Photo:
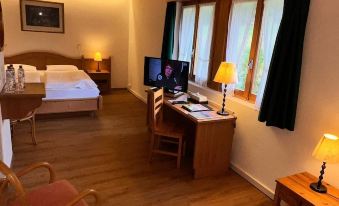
x=205 y=115
x=196 y=107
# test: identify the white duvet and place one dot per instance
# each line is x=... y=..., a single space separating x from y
x=57 y=80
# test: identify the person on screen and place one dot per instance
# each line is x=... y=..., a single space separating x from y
x=167 y=79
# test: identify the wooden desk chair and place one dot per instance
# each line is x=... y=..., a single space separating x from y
x=31 y=119
x=56 y=193
x=163 y=132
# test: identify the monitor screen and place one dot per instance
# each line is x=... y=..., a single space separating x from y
x=169 y=74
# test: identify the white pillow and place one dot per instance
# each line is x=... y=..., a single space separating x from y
x=24 y=66
x=62 y=68
x=32 y=77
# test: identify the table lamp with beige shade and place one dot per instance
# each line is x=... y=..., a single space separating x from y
x=98 y=58
x=327 y=151
x=226 y=74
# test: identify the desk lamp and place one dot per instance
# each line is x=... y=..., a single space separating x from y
x=327 y=151
x=98 y=58
x=227 y=74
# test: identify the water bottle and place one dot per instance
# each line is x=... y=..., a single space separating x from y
x=10 y=79
x=21 y=79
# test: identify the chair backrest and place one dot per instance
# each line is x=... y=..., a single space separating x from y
x=157 y=100
x=13 y=180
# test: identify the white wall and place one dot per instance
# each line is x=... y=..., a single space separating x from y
x=263 y=153
x=6 y=152
x=147 y=18
x=97 y=25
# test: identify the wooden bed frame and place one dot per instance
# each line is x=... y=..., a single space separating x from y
x=40 y=60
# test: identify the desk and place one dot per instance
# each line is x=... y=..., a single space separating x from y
x=17 y=106
x=295 y=190
x=212 y=139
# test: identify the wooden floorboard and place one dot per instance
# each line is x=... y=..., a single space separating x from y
x=109 y=152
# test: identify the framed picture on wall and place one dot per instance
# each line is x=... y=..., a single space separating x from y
x=2 y=38
x=42 y=16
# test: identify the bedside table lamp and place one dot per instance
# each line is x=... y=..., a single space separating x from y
x=227 y=74
x=327 y=151
x=98 y=58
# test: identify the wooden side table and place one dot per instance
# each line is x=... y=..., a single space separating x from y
x=295 y=191
x=21 y=106
x=102 y=79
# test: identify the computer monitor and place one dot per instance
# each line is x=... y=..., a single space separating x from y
x=172 y=75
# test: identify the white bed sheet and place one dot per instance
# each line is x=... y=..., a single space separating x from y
x=71 y=94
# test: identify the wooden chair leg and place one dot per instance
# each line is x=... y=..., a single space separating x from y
x=179 y=153
x=184 y=149
x=151 y=147
x=32 y=121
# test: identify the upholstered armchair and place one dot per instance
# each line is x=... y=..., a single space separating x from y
x=56 y=193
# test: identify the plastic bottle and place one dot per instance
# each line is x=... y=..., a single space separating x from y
x=10 y=79
x=21 y=79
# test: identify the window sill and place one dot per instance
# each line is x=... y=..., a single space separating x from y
x=210 y=93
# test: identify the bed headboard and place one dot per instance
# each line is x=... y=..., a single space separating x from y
x=41 y=59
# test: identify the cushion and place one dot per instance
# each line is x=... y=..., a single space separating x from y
x=24 y=66
x=59 y=193
x=62 y=68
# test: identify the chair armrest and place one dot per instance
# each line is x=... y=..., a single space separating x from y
x=83 y=194
x=36 y=166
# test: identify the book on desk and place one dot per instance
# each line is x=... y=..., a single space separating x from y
x=196 y=107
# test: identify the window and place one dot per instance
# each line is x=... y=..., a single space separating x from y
x=239 y=31
x=253 y=27
x=187 y=34
x=195 y=40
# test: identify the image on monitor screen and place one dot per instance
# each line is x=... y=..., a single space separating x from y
x=169 y=74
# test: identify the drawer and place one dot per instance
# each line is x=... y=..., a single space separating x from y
x=289 y=197
x=306 y=204
x=100 y=76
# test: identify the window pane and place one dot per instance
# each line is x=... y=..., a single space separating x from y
x=270 y=25
x=240 y=34
x=187 y=34
x=203 y=44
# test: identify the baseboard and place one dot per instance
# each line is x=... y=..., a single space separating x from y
x=143 y=99
x=256 y=183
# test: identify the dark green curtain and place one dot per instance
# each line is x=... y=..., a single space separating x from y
x=280 y=98
x=168 y=39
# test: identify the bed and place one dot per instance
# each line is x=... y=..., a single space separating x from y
x=61 y=94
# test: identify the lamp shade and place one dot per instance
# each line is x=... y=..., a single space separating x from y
x=327 y=149
x=97 y=57
x=226 y=74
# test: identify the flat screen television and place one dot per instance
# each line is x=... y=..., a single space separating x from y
x=172 y=75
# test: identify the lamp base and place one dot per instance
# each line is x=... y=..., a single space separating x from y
x=223 y=113
x=98 y=69
x=321 y=189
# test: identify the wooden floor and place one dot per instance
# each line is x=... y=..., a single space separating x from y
x=109 y=153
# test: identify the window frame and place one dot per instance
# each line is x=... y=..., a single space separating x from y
x=223 y=9
x=197 y=4
x=247 y=93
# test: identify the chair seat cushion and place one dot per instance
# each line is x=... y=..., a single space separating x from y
x=59 y=193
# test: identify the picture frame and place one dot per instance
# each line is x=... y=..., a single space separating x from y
x=42 y=16
x=2 y=33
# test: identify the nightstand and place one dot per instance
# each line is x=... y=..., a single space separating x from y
x=295 y=191
x=102 y=79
